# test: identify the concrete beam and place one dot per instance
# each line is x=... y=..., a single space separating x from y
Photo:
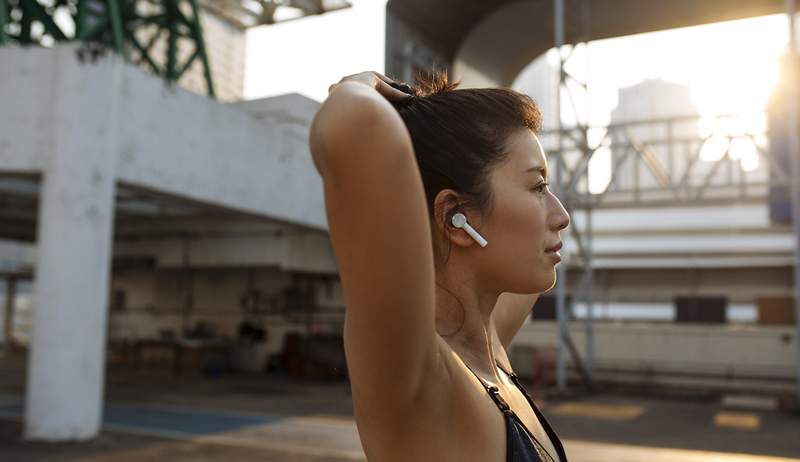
x=488 y=43
x=252 y=158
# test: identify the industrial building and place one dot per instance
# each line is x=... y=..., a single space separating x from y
x=143 y=221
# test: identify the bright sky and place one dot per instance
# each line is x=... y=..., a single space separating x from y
x=308 y=55
x=731 y=66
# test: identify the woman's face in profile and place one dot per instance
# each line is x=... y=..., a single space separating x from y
x=527 y=219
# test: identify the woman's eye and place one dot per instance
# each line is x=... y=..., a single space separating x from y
x=541 y=188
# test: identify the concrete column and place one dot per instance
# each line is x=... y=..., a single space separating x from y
x=66 y=364
x=8 y=312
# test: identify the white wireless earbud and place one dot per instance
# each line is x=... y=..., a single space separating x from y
x=460 y=221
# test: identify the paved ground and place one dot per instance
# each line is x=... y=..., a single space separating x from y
x=157 y=416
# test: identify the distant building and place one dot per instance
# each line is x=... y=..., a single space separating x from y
x=539 y=80
x=649 y=100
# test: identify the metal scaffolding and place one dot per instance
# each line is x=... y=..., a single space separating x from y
x=794 y=156
x=244 y=14
x=129 y=27
x=664 y=171
x=563 y=181
x=163 y=36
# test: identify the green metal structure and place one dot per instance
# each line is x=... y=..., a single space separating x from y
x=132 y=28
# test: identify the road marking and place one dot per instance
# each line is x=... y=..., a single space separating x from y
x=614 y=412
x=750 y=402
x=282 y=446
x=738 y=420
x=586 y=451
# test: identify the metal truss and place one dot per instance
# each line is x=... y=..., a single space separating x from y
x=244 y=14
x=675 y=168
x=131 y=28
x=667 y=170
x=561 y=179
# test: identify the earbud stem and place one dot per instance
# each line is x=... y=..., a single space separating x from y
x=471 y=231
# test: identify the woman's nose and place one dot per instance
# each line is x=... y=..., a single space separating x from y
x=560 y=216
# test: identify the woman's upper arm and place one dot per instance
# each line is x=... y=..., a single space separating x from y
x=377 y=216
x=510 y=313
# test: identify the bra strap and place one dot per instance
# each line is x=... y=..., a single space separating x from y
x=493 y=391
x=515 y=379
x=554 y=439
x=512 y=375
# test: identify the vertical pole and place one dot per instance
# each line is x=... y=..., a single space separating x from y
x=80 y=21
x=115 y=19
x=561 y=272
x=24 y=36
x=589 y=362
x=8 y=320
x=188 y=305
x=200 y=43
x=794 y=158
x=173 y=14
x=589 y=295
x=3 y=21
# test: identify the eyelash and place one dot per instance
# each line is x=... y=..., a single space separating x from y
x=540 y=188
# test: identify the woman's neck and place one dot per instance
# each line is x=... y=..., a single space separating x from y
x=464 y=321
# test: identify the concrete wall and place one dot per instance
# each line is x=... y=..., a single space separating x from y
x=297 y=251
x=168 y=139
x=699 y=355
x=156 y=300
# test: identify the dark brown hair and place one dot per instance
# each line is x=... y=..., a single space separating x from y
x=460 y=134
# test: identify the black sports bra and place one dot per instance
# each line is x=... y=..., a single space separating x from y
x=521 y=445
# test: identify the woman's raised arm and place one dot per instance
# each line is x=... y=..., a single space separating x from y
x=510 y=313
x=375 y=205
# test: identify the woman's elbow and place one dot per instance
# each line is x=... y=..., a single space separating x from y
x=339 y=129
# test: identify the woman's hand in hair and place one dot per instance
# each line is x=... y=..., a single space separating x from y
x=377 y=81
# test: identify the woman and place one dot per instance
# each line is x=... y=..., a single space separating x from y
x=437 y=204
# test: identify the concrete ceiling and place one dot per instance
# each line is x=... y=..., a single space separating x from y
x=137 y=212
x=498 y=38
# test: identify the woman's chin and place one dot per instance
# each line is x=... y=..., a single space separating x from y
x=550 y=281
x=539 y=283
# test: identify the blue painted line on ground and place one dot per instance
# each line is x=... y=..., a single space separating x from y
x=151 y=419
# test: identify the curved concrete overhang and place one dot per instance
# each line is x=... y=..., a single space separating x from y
x=490 y=42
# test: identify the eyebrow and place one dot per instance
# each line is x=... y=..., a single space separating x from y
x=539 y=169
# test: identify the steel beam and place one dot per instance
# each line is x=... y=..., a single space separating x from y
x=794 y=159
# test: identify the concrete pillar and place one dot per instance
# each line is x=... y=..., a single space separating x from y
x=8 y=311
x=66 y=364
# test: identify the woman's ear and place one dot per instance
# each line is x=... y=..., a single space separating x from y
x=446 y=204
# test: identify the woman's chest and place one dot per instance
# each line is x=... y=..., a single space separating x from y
x=472 y=425
x=526 y=415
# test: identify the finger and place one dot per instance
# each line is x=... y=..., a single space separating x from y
x=366 y=77
x=391 y=81
x=383 y=77
x=391 y=93
x=330 y=88
x=405 y=88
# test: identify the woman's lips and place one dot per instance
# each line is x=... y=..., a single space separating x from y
x=553 y=252
x=555 y=248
